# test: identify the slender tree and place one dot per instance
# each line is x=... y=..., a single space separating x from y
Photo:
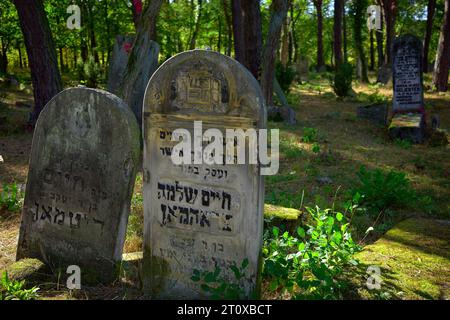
x=358 y=10
x=226 y=11
x=247 y=30
x=318 y=4
x=371 y=50
x=337 y=29
x=389 y=12
x=441 y=67
x=278 y=14
x=344 y=27
x=431 y=8
x=197 y=25
x=379 y=39
x=238 y=31
x=41 y=52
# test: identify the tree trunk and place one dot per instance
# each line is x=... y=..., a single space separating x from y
x=225 y=4
x=338 y=15
x=278 y=11
x=284 y=54
x=379 y=37
x=389 y=11
x=143 y=59
x=197 y=26
x=426 y=42
x=248 y=34
x=344 y=27
x=253 y=36
x=320 y=61
x=91 y=31
x=41 y=53
x=61 y=59
x=136 y=7
x=358 y=12
x=441 y=67
x=19 y=50
x=3 y=58
x=294 y=40
x=238 y=31
x=372 y=51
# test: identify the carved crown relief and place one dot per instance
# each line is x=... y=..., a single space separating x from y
x=203 y=86
x=197 y=87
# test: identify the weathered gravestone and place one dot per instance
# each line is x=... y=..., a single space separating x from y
x=118 y=64
x=408 y=121
x=80 y=181
x=199 y=217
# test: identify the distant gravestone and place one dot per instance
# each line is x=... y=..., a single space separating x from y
x=199 y=217
x=408 y=121
x=80 y=181
x=119 y=61
x=407 y=74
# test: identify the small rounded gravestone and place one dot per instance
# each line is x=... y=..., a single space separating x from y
x=80 y=182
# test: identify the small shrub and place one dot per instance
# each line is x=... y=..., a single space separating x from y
x=11 y=198
x=220 y=288
x=310 y=265
x=285 y=76
x=89 y=72
x=342 y=81
x=380 y=190
x=309 y=135
x=14 y=290
x=316 y=148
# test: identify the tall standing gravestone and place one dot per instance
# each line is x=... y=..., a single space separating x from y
x=198 y=216
x=80 y=181
x=408 y=121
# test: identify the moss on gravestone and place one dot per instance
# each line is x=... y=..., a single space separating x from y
x=281 y=216
x=33 y=271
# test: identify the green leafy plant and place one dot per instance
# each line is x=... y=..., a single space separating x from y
x=218 y=287
x=381 y=190
x=316 y=148
x=342 y=81
x=309 y=265
x=11 y=197
x=309 y=135
x=89 y=72
x=14 y=290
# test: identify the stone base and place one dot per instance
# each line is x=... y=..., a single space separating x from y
x=410 y=126
x=376 y=113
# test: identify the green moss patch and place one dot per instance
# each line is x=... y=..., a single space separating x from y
x=414 y=260
x=33 y=271
x=272 y=211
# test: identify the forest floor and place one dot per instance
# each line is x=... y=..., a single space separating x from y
x=320 y=159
